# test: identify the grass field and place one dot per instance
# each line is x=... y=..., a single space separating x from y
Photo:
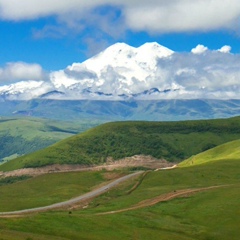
x=173 y=141
x=47 y=189
x=212 y=214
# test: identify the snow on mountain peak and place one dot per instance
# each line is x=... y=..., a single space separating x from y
x=119 y=70
x=121 y=54
x=155 y=48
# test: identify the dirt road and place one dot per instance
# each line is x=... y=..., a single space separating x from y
x=73 y=201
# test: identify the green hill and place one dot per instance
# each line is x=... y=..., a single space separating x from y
x=227 y=151
x=19 y=136
x=173 y=141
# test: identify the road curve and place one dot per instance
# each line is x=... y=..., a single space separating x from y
x=72 y=201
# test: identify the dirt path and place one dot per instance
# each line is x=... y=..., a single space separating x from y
x=163 y=198
x=73 y=201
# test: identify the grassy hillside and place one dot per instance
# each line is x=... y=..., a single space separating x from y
x=173 y=141
x=213 y=214
x=17 y=193
x=230 y=150
x=19 y=136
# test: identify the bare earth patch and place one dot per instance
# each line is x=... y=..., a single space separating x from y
x=134 y=161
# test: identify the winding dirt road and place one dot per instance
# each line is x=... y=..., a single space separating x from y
x=76 y=200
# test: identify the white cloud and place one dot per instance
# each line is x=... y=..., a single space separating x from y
x=156 y=16
x=199 y=49
x=17 y=71
x=225 y=49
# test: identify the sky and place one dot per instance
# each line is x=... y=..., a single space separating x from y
x=38 y=37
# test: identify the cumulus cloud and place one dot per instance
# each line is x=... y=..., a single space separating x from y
x=155 y=16
x=17 y=71
x=225 y=49
x=212 y=75
x=199 y=49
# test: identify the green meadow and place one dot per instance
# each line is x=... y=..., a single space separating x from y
x=210 y=214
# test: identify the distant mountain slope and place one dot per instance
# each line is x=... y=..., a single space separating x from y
x=161 y=110
x=19 y=136
x=173 y=141
x=227 y=151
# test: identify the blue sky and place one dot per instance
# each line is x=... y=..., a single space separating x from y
x=56 y=33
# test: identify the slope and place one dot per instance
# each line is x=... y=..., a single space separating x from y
x=227 y=151
x=19 y=136
x=182 y=218
x=173 y=141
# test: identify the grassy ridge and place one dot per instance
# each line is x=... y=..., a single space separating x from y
x=19 y=136
x=173 y=141
x=230 y=150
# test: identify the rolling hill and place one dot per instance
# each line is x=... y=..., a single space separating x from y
x=227 y=151
x=22 y=135
x=173 y=141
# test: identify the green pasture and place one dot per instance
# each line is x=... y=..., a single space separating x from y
x=212 y=214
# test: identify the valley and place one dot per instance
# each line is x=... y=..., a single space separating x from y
x=22 y=135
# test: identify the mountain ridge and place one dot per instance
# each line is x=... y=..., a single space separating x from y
x=154 y=110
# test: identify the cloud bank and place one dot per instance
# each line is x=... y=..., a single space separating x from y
x=154 y=16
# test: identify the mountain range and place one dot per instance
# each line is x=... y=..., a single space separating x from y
x=154 y=110
x=150 y=82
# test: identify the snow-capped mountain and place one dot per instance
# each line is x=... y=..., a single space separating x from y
x=149 y=72
x=118 y=72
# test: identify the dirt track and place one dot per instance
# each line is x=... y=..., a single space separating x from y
x=162 y=198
